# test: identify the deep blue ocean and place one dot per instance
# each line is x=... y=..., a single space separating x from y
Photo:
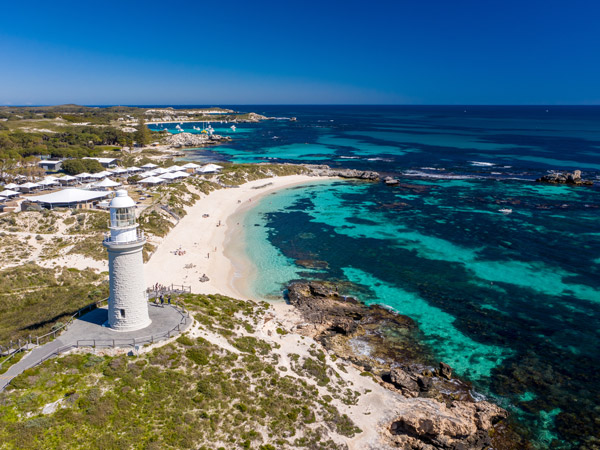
x=511 y=301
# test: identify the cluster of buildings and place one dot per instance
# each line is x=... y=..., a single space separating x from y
x=87 y=190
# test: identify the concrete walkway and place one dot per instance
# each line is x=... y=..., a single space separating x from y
x=87 y=331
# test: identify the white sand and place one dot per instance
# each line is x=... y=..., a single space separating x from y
x=216 y=251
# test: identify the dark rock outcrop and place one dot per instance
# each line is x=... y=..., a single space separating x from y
x=439 y=411
x=565 y=178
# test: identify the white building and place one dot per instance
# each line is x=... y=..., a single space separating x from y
x=127 y=304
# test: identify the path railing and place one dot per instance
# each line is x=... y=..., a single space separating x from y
x=134 y=342
x=26 y=344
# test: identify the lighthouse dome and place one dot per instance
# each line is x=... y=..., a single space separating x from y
x=122 y=200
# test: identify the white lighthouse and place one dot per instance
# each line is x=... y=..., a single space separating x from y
x=127 y=304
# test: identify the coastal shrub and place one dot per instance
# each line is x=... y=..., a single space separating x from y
x=33 y=299
x=199 y=355
x=185 y=340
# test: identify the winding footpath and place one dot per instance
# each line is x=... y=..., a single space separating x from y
x=88 y=331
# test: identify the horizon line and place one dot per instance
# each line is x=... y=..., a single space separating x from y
x=149 y=105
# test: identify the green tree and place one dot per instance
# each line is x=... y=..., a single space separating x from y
x=76 y=166
x=73 y=166
x=142 y=135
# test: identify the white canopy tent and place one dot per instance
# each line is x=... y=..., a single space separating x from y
x=152 y=180
x=149 y=166
x=160 y=171
x=181 y=174
x=134 y=169
x=69 y=197
x=167 y=176
x=50 y=178
x=11 y=186
x=48 y=183
x=66 y=179
x=106 y=183
x=83 y=176
x=118 y=171
x=209 y=168
x=191 y=166
x=29 y=186
x=9 y=193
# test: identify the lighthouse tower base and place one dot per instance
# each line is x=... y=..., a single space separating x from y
x=128 y=303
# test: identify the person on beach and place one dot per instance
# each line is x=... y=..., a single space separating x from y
x=162 y=300
x=169 y=299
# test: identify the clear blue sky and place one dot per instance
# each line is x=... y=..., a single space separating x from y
x=259 y=52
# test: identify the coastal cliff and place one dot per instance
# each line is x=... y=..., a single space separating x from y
x=440 y=411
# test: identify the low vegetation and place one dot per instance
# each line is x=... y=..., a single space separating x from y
x=33 y=299
x=190 y=394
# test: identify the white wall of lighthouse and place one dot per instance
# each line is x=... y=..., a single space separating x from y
x=127 y=304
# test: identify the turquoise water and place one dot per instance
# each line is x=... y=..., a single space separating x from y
x=511 y=301
x=453 y=288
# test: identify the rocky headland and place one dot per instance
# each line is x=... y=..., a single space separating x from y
x=565 y=178
x=194 y=140
x=440 y=410
x=324 y=170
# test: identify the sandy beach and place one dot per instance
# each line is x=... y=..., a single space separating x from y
x=213 y=245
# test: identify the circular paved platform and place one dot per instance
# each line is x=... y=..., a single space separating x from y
x=165 y=321
x=87 y=331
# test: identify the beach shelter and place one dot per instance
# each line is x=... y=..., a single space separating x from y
x=106 y=183
x=160 y=171
x=9 y=193
x=152 y=180
x=66 y=179
x=29 y=186
x=47 y=183
x=167 y=176
x=210 y=168
x=149 y=166
x=191 y=166
x=3 y=198
x=181 y=174
x=71 y=197
x=83 y=176
x=11 y=186
x=149 y=173
x=134 y=169
x=174 y=168
x=50 y=178
x=118 y=171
